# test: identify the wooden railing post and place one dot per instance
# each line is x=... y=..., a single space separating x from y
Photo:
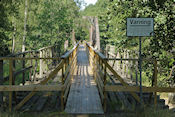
x=14 y=77
x=136 y=73
x=10 y=83
x=92 y=57
x=41 y=64
x=62 y=92
x=95 y=67
x=44 y=61
x=50 y=55
x=73 y=62
x=31 y=64
x=35 y=68
x=105 y=93
x=75 y=55
x=1 y=82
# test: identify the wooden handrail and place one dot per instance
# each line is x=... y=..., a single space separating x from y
x=47 y=47
x=30 y=58
x=36 y=51
x=31 y=88
x=17 y=73
x=117 y=88
x=67 y=54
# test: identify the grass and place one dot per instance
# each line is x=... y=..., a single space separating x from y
x=33 y=114
x=148 y=112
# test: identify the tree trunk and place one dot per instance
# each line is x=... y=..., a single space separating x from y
x=73 y=37
x=25 y=25
x=14 y=36
x=90 y=34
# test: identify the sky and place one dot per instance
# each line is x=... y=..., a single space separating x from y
x=89 y=2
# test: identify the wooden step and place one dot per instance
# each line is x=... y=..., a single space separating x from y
x=40 y=103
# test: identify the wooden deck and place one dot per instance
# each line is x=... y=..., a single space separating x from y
x=83 y=97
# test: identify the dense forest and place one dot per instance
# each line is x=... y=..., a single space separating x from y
x=27 y=23
x=112 y=16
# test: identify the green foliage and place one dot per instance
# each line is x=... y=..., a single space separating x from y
x=112 y=20
x=94 y=10
x=48 y=23
x=4 y=28
x=54 y=22
x=80 y=33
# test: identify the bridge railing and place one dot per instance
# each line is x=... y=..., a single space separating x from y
x=22 y=66
x=65 y=63
x=101 y=67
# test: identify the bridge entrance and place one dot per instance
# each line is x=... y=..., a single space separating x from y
x=83 y=97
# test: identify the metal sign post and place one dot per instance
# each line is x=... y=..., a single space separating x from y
x=140 y=27
x=140 y=68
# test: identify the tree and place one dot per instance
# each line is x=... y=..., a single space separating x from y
x=25 y=25
x=112 y=21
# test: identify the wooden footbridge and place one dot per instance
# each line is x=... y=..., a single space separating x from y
x=83 y=78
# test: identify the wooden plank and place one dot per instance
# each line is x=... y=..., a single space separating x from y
x=41 y=65
x=62 y=100
x=39 y=105
x=66 y=55
x=31 y=51
x=100 y=81
x=21 y=53
x=122 y=59
x=105 y=94
x=121 y=96
x=51 y=75
x=67 y=81
x=66 y=92
x=100 y=89
x=10 y=83
x=132 y=59
x=69 y=67
x=100 y=55
x=28 y=105
x=48 y=47
x=83 y=88
x=101 y=76
x=10 y=88
x=69 y=76
x=62 y=81
x=121 y=80
x=117 y=88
